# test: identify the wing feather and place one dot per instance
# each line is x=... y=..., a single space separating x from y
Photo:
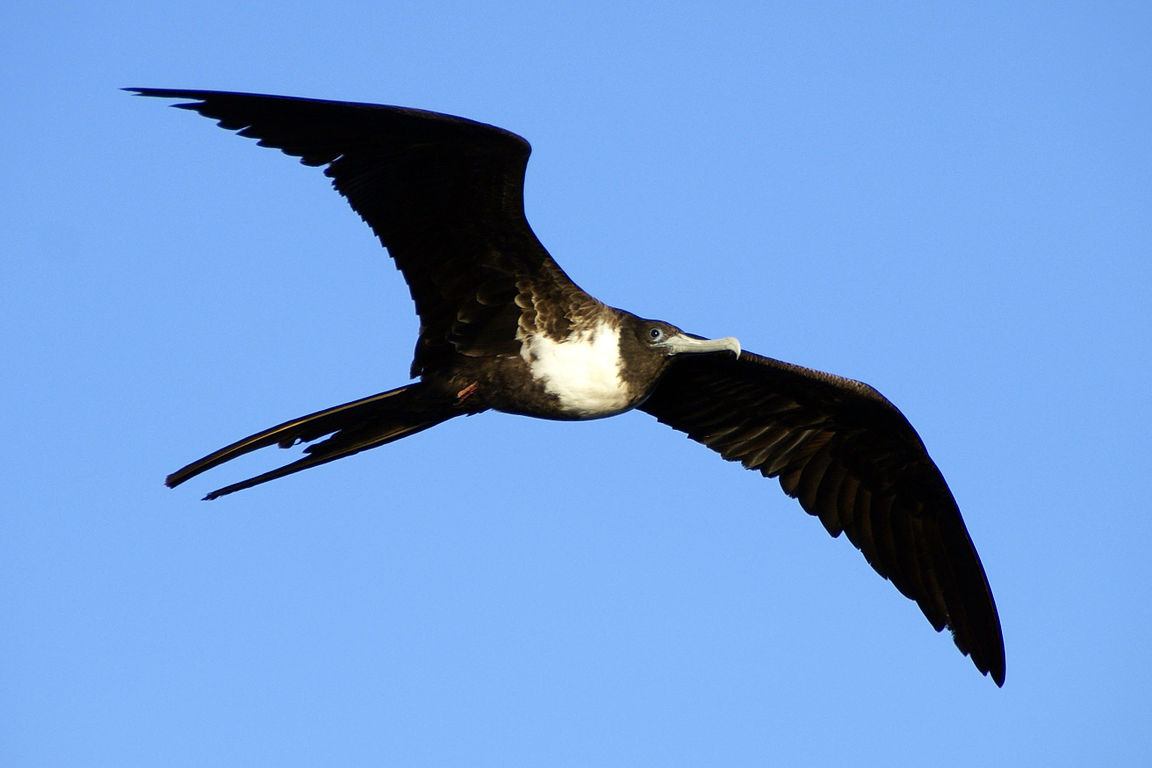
x=852 y=460
x=445 y=196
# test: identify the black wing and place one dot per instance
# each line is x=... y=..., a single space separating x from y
x=444 y=194
x=853 y=460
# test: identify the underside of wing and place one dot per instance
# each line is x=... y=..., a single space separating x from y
x=444 y=194
x=852 y=459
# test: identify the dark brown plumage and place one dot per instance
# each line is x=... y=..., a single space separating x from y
x=851 y=459
x=502 y=327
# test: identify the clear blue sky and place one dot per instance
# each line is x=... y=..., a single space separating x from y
x=952 y=204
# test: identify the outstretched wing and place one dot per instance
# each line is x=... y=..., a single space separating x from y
x=445 y=195
x=853 y=460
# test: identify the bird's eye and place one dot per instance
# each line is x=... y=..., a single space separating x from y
x=655 y=334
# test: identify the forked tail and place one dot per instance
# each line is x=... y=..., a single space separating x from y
x=354 y=427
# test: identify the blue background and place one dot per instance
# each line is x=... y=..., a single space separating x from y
x=952 y=204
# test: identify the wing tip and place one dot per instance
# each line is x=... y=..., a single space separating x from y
x=997 y=669
x=988 y=658
x=167 y=93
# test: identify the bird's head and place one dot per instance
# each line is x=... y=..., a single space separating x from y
x=667 y=340
x=650 y=345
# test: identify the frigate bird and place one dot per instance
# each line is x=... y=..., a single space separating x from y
x=503 y=328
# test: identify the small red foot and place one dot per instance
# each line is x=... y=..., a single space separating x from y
x=467 y=392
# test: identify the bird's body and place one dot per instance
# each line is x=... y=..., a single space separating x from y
x=503 y=328
x=579 y=376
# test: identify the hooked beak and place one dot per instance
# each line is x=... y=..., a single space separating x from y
x=684 y=344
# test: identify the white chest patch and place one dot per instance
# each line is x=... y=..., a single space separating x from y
x=582 y=371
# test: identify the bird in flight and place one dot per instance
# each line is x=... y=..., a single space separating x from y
x=503 y=328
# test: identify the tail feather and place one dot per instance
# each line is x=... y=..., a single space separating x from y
x=331 y=449
x=355 y=426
